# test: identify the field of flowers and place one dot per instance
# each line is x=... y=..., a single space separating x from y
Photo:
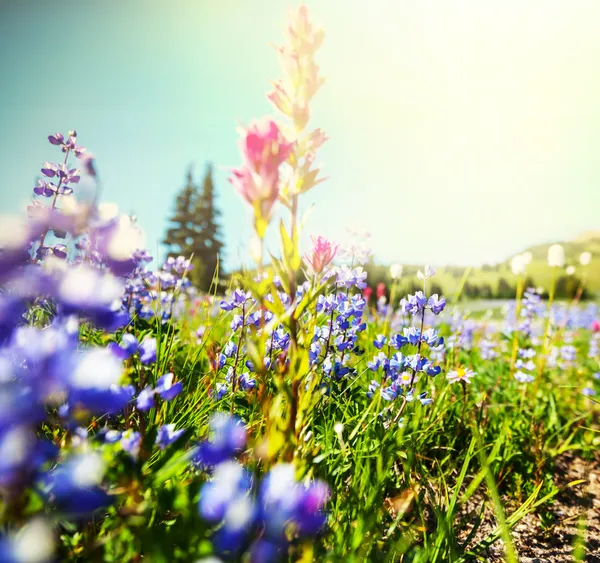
x=279 y=421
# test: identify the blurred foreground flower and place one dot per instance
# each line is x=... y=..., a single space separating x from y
x=556 y=256
x=264 y=149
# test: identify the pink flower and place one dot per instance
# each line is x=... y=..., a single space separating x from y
x=264 y=149
x=367 y=292
x=380 y=290
x=596 y=326
x=321 y=254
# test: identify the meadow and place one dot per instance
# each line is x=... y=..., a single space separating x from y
x=276 y=420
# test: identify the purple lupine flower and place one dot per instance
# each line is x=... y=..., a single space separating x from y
x=148 y=350
x=523 y=377
x=373 y=386
x=246 y=382
x=227 y=439
x=145 y=399
x=412 y=334
x=397 y=341
x=167 y=435
x=166 y=388
x=56 y=139
x=131 y=442
x=379 y=341
x=436 y=304
x=74 y=486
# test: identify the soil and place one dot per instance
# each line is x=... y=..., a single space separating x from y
x=535 y=543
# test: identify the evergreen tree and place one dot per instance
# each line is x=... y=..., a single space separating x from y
x=194 y=231
x=207 y=243
x=181 y=233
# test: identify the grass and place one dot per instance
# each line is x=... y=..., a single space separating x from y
x=405 y=479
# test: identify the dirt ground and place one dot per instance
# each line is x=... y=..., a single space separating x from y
x=533 y=543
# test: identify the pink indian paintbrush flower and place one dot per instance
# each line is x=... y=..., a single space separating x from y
x=321 y=254
x=264 y=149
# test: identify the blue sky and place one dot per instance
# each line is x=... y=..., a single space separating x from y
x=460 y=132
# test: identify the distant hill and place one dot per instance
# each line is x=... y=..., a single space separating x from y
x=540 y=272
x=490 y=279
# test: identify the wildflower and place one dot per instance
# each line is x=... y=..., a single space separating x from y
x=347 y=277
x=34 y=543
x=373 y=386
x=148 y=350
x=74 y=486
x=428 y=273
x=131 y=442
x=227 y=439
x=380 y=291
x=436 y=304
x=556 y=256
x=284 y=501
x=406 y=378
x=230 y=481
x=379 y=341
x=321 y=254
x=264 y=149
x=519 y=264
x=396 y=271
x=585 y=258
x=523 y=377
x=414 y=304
x=461 y=374
x=166 y=388
x=167 y=435
x=570 y=270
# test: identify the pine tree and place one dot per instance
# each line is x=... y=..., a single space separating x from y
x=208 y=243
x=181 y=234
x=194 y=230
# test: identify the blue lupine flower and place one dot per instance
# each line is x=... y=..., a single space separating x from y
x=414 y=304
x=265 y=551
x=236 y=322
x=145 y=399
x=399 y=361
x=221 y=391
x=246 y=382
x=74 y=486
x=148 y=350
x=397 y=341
x=167 y=435
x=129 y=346
x=34 y=543
x=436 y=304
x=166 y=388
x=412 y=334
x=379 y=341
x=523 y=377
x=227 y=439
x=283 y=501
x=373 y=386
x=230 y=481
x=131 y=442
x=389 y=393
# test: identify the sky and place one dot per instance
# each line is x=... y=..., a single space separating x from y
x=460 y=132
